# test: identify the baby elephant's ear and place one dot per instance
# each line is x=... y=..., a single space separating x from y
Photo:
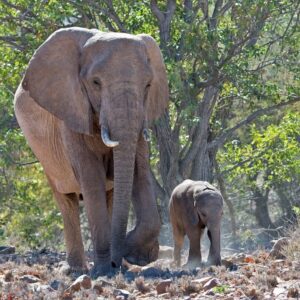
x=192 y=211
x=158 y=94
x=52 y=78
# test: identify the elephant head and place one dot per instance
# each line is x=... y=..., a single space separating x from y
x=114 y=79
x=208 y=207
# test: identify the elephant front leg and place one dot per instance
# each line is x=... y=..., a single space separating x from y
x=94 y=196
x=69 y=207
x=90 y=172
x=214 y=256
x=194 y=258
x=142 y=241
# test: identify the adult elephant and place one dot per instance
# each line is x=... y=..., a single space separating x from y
x=83 y=105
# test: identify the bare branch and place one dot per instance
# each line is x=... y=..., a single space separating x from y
x=159 y=191
x=202 y=128
x=111 y=12
x=156 y=11
x=204 y=7
x=214 y=18
x=12 y=42
x=226 y=7
x=164 y=20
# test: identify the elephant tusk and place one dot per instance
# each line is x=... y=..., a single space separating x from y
x=146 y=135
x=106 y=139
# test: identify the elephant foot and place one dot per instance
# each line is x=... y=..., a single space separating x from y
x=211 y=261
x=66 y=268
x=104 y=269
x=75 y=272
x=142 y=255
x=192 y=264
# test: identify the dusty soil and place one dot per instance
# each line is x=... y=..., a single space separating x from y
x=43 y=275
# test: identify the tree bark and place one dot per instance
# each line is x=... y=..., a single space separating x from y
x=261 y=208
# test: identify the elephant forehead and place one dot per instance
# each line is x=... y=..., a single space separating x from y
x=114 y=41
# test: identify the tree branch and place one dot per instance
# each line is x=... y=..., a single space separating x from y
x=164 y=20
x=221 y=139
x=202 y=128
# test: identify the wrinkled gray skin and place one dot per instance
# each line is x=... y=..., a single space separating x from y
x=193 y=206
x=82 y=85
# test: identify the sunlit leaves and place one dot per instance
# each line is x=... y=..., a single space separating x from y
x=273 y=152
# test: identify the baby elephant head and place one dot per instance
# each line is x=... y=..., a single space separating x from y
x=208 y=210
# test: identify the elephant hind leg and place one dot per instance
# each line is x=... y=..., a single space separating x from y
x=178 y=236
x=69 y=207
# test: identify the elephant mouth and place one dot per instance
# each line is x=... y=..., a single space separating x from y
x=111 y=144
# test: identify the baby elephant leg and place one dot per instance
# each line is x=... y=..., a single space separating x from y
x=178 y=236
x=194 y=258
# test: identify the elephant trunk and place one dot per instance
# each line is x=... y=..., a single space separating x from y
x=214 y=256
x=124 y=159
x=124 y=127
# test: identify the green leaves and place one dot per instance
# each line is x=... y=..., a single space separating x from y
x=273 y=151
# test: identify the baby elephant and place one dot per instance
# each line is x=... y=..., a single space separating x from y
x=193 y=206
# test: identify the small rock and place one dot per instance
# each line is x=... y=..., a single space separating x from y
x=278 y=247
x=293 y=293
x=67 y=296
x=74 y=287
x=209 y=293
x=162 y=286
x=55 y=284
x=82 y=281
x=98 y=288
x=85 y=281
x=202 y=281
x=165 y=252
x=279 y=291
x=211 y=284
x=29 y=278
x=165 y=296
x=7 y=250
x=42 y=288
x=8 y=276
x=120 y=292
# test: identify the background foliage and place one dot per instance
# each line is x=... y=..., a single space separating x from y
x=233 y=69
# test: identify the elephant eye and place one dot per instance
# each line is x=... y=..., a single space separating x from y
x=97 y=82
x=147 y=88
x=146 y=91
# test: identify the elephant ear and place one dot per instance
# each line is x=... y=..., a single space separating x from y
x=52 y=78
x=158 y=94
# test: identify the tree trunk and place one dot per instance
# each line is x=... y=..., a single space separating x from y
x=261 y=208
x=229 y=204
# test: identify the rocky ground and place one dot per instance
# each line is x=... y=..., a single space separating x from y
x=259 y=275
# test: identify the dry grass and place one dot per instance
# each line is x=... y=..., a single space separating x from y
x=292 y=250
